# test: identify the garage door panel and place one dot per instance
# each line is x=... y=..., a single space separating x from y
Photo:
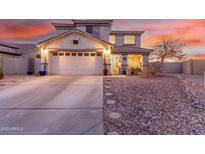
x=76 y=64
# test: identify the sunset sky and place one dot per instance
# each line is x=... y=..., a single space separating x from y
x=191 y=31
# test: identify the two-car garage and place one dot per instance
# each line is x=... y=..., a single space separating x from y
x=76 y=63
x=74 y=52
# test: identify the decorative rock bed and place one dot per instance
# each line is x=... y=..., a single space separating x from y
x=111 y=102
x=114 y=115
x=113 y=133
x=157 y=105
x=107 y=87
x=108 y=94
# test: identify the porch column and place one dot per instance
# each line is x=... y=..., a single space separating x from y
x=124 y=64
x=145 y=61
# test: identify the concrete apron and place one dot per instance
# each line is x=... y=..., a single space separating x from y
x=53 y=105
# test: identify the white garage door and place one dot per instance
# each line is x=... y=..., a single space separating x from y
x=76 y=63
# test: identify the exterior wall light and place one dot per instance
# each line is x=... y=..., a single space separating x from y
x=44 y=53
x=106 y=52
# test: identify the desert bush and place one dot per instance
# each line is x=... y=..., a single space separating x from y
x=134 y=70
x=1 y=73
x=152 y=70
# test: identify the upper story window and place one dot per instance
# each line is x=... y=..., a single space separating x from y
x=92 y=29
x=112 y=39
x=129 y=39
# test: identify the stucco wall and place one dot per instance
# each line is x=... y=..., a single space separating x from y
x=12 y=64
x=18 y=64
x=104 y=33
x=138 y=40
x=194 y=67
x=119 y=40
x=198 y=67
x=187 y=67
x=81 y=28
x=171 y=67
x=26 y=57
x=175 y=67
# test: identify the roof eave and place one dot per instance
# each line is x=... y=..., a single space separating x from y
x=71 y=31
x=127 y=32
x=10 y=53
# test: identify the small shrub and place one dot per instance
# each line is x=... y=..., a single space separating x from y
x=152 y=70
x=134 y=70
x=1 y=73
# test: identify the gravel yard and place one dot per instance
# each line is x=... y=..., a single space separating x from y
x=159 y=105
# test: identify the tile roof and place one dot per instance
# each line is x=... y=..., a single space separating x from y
x=90 y=21
x=17 y=48
x=130 y=50
x=127 y=32
x=25 y=48
x=9 y=45
x=50 y=36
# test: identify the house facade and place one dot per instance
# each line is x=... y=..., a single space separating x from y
x=83 y=47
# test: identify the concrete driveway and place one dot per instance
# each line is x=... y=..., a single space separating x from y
x=53 y=105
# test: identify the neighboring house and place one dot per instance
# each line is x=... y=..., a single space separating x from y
x=84 y=47
x=19 y=58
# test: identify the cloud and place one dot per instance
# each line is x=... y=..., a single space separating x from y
x=25 y=29
x=191 y=31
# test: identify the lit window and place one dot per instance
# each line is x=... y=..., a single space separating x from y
x=129 y=39
x=112 y=39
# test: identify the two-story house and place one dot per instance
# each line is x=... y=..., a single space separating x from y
x=90 y=47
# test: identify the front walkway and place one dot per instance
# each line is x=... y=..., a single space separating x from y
x=52 y=105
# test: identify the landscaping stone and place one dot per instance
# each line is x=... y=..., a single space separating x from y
x=111 y=102
x=107 y=87
x=113 y=133
x=160 y=104
x=108 y=94
x=114 y=115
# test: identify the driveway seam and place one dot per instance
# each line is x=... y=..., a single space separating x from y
x=91 y=128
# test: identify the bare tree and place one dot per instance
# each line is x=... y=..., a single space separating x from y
x=168 y=47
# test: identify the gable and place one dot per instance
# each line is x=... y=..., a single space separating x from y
x=85 y=42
